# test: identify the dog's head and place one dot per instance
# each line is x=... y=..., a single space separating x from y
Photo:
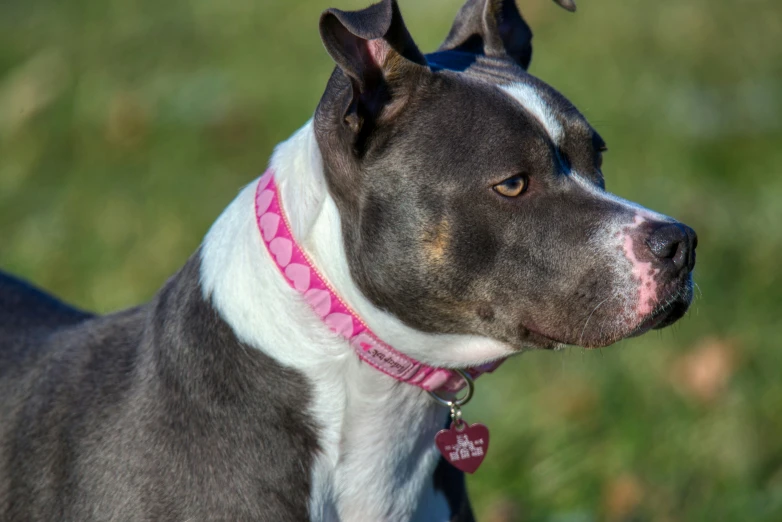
x=471 y=194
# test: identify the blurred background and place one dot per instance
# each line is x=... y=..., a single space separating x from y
x=126 y=126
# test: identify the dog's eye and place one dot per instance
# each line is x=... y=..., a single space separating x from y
x=512 y=187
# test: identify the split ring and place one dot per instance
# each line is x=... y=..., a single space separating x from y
x=456 y=402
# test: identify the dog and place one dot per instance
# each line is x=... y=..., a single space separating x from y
x=450 y=206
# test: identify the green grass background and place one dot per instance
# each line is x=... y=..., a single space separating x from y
x=127 y=125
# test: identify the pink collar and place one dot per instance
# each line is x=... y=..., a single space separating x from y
x=301 y=274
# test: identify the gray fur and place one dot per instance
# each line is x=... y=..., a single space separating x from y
x=450 y=482
x=491 y=28
x=154 y=413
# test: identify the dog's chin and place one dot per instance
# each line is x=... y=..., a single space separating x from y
x=662 y=317
x=530 y=338
x=666 y=313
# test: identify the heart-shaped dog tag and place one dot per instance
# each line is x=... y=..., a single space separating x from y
x=464 y=446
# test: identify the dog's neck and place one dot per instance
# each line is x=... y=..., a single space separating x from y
x=376 y=434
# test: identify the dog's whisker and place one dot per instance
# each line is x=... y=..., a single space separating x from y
x=698 y=287
x=581 y=337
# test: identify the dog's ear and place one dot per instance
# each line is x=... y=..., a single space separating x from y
x=494 y=28
x=373 y=48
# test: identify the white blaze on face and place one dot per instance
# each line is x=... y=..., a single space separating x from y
x=529 y=98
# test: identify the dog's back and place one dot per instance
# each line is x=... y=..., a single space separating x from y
x=59 y=375
x=27 y=317
x=24 y=308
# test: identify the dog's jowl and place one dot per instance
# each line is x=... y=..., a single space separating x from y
x=439 y=212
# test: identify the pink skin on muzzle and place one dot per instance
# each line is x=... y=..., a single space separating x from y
x=642 y=271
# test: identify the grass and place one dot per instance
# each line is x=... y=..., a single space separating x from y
x=127 y=125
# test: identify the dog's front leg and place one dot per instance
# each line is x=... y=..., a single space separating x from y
x=446 y=499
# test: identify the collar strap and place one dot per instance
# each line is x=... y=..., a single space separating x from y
x=302 y=275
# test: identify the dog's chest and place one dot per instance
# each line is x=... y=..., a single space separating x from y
x=378 y=459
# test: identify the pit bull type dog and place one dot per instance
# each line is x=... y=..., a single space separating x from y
x=447 y=210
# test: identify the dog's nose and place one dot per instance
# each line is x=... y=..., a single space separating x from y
x=674 y=242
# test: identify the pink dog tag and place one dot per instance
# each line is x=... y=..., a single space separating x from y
x=464 y=446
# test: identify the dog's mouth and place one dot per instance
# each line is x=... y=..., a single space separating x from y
x=668 y=311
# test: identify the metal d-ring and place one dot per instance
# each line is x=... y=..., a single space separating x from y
x=457 y=402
